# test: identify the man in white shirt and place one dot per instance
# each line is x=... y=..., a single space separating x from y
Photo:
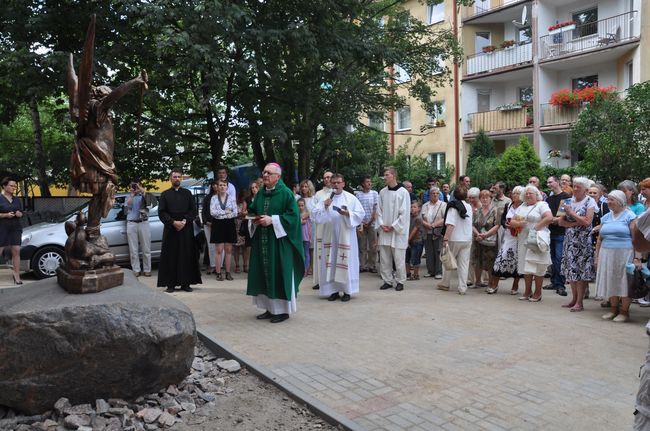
x=393 y=220
x=367 y=232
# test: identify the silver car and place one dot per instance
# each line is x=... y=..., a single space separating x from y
x=42 y=247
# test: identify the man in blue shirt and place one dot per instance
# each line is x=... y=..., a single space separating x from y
x=138 y=233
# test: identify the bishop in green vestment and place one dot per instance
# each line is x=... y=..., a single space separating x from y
x=277 y=256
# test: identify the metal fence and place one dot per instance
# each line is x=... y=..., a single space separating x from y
x=499 y=59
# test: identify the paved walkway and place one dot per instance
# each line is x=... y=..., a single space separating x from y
x=423 y=359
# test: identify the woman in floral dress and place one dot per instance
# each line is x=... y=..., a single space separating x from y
x=505 y=264
x=578 y=253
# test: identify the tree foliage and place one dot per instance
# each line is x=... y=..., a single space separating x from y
x=518 y=163
x=612 y=136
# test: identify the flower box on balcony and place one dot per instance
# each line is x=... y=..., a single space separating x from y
x=509 y=107
x=488 y=49
x=562 y=26
x=507 y=44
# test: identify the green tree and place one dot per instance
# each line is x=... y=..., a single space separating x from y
x=518 y=163
x=482 y=146
x=612 y=136
x=483 y=171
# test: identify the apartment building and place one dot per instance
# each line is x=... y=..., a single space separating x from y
x=520 y=52
x=434 y=132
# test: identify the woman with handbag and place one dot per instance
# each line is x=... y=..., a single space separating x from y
x=533 y=218
x=433 y=219
x=484 y=250
x=505 y=264
x=613 y=252
x=578 y=253
x=457 y=239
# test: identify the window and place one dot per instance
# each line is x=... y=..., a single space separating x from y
x=404 y=118
x=483 y=100
x=586 y=22
x=629 y=74
x=526 y=95
x=584 y=81
x=440 y=64
x=435 y=13
x=525 y=35
x=401 y=75
x=482 y=39
x=437 y=113
x=438 y=161
x=376 y=121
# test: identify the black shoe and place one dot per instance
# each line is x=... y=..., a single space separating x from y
x=228 y=276
x=470 y=284
x=345 y=297
x=279 y=318
x=363 y=270
x=186 y=288
x=372 y=270
x=315 y=287
x=333 y=297
x=169 y=290
x=265 y=315
x=548 y=287
x=386 y=286
x=547 y=275
x=561 y=292
x=399 y=287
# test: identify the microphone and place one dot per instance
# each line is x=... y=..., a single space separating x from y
x=332 y=195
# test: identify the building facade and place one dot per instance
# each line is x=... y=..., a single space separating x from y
x=519 y=53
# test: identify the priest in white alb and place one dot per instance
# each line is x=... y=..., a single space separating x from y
x=393 y=219
x=320 y=196
x=339 y=216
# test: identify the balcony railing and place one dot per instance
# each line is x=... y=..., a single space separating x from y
x=493 y=121
x=484 y=6
x=598 y=34
x=499 y=59
x=553 y=115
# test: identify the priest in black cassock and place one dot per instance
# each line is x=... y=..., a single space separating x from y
x=179 y=261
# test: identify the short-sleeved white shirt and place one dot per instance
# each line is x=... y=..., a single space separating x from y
x=462 y=226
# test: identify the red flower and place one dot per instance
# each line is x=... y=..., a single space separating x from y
x=561 y=24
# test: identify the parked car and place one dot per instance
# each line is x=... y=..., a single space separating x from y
x=42 y=247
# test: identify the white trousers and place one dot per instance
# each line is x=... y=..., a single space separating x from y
x=138 y=236
x=388 y=255
x=460 y=250
x=212 y=251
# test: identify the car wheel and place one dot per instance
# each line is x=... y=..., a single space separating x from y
x=46 y=261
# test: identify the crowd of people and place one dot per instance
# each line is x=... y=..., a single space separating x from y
x=572 y=234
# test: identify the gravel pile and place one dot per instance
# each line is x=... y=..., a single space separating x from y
x=217 y=395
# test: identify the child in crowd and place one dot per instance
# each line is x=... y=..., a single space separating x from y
x=306 y=233
x=416 y=242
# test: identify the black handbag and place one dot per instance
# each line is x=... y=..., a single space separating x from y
x=638 y=285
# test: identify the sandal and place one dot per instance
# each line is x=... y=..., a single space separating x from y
x=219 y=276
x=514 y=292
x=228 y=276
x=210 y=271
x=569 y=305
x=237 y=270
x=576 y=308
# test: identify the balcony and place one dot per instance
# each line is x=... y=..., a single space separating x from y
x=482 y=7
x=600 y=34
x=499 y=120
x=499 y=60
x=559 y=115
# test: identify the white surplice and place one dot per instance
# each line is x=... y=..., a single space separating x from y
x=318 y=264
x=340 y=247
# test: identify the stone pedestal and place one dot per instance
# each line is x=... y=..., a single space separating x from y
x=120 y=343
x=89 y=281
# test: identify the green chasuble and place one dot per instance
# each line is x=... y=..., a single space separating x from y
x=275 y=263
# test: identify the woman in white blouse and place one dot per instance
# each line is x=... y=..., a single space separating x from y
x=223 y=209
x=433 y=217
x=532 y=261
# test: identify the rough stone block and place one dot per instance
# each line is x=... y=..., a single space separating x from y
x=119 y=343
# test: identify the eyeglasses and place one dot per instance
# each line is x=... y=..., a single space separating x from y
x=269 y=173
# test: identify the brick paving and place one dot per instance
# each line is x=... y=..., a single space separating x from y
x=424 y=359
